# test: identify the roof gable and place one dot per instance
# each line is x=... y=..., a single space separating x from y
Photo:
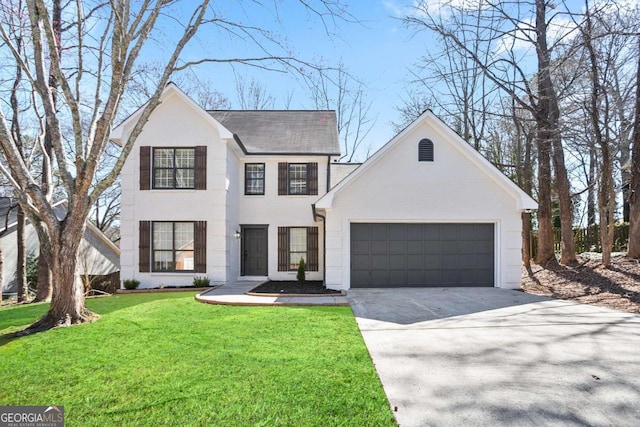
x=282 y=131
x=120 y=132
x=522 y=199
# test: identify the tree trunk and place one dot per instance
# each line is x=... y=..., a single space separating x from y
x=1 y=275
x=21 y=259
x=67 y=300
x=545 y=252
x=45 y=277
x=633 y=250
x=591 y=192
x=45 y=280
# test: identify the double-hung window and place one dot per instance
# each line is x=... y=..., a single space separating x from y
x=173 y=246
x=254 y=178
x=179 y=246
x=174 y=168
x=297 y=179
x=296 y=243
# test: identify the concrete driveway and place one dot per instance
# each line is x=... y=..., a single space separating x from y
x=489 y=357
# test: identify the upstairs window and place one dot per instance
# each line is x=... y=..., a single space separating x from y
x=297 y=179
x=425 y=150
x=163 y=168
x=174 y=168
x=254 y=178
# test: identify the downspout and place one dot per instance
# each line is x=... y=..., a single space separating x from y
x=328 y=173
x=316 y=215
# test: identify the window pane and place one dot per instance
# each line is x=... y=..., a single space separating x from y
x=184 y=260
x=163 y=235
x=162 y=260
x=184 y=235
x=163 y=157
x=185 y=178
x=185 y=157
x=297 y=178
x=163 y=178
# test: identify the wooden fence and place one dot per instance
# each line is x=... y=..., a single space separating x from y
x=587 y=239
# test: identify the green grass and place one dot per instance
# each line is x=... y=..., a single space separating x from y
x=164 y=359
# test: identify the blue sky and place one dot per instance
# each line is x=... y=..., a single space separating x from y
x=376 y=49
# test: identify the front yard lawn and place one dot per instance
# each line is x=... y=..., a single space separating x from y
x=165 y=359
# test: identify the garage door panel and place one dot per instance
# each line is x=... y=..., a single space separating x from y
x=433 y=262
x=398 y=262
x=448 y=254
x=379 y=262
x=415 y=247
x=449 y=247
x=398 y=277
x=431 y=232
x=360 y=247
x=397 y=232
x=379 y=233
x=415 y=262
x=415 y=232
x=467 y=231
x=431 y=247
x=433 y=277
x=397 y=247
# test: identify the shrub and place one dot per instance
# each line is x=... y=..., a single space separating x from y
x=201 y=281
x=131 y=284
x=301 y=267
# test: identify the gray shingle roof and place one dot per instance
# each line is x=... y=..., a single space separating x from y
x=282 y=132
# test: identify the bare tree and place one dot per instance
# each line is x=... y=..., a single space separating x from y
x=634 y=191
x=509 y=25
x=101 y=44
x=254 y=95
x=336 y=89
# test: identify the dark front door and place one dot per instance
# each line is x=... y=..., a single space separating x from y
x=254 y=250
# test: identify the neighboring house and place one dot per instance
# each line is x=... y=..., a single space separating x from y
x=97 y=254
x=246 y=194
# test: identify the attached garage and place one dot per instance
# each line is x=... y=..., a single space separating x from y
x=425 y=210
x=421 y=255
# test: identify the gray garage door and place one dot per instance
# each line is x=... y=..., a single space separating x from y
x=389 y=255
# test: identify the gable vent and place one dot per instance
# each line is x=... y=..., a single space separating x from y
x=425 y=150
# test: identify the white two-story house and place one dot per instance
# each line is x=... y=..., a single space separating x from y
x=236 y=195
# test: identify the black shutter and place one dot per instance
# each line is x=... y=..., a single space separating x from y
x=200 y=246
x=312 y=248
x=312 y=178
x=425 y=150
x=144 y=247
x=145 y=168
x=201 y=167
x=283 y=248
x=283 y=179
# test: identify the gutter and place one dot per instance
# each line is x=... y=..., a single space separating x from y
x=316 y=215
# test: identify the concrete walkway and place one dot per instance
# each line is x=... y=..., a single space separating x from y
x=234 y=293
x=493 y=357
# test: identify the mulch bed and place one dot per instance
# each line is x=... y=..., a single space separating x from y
x=616 y=287
x=293 y=287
